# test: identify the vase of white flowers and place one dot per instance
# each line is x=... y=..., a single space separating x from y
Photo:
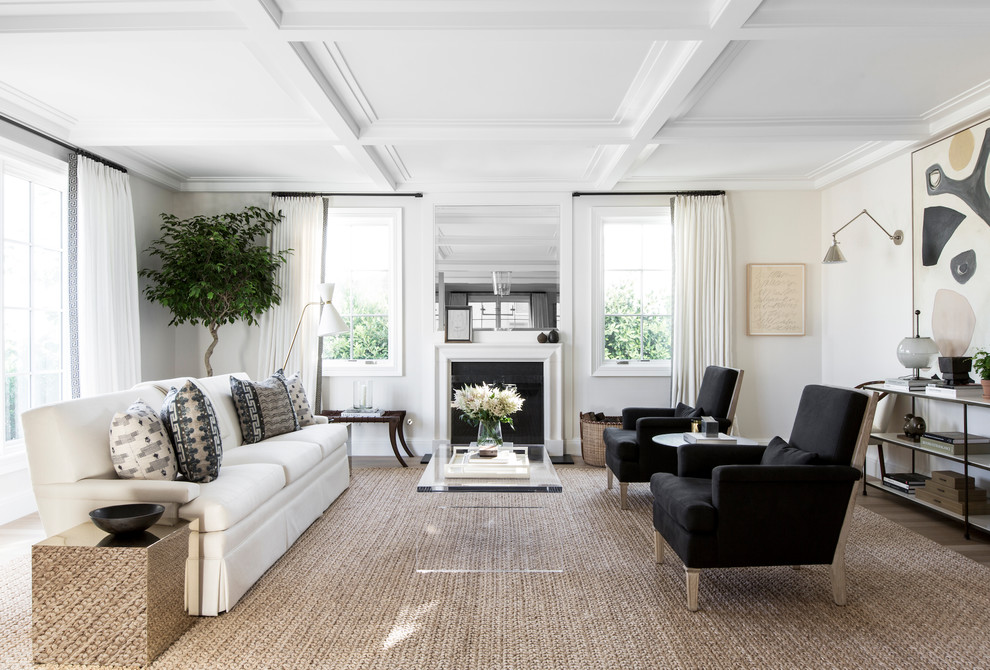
x=488 y=407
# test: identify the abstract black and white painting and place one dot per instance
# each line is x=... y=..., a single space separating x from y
x=952 y=239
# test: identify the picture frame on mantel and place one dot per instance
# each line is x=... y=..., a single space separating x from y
x=775 y=299
x=457 y=324
x=951 y=235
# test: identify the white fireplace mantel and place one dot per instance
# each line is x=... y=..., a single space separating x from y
x=549 y=354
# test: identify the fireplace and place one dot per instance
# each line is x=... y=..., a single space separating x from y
x=528 y=379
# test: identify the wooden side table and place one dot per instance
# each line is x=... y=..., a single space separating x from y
x=97 y=599
x=394 y=418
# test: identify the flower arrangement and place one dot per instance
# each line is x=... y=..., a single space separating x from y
x=487 y=404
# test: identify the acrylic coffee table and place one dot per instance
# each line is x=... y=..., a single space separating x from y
x=491 y=524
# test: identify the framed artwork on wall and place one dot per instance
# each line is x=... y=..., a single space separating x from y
x=775 y=299
x=458 y=324
x=951 y=226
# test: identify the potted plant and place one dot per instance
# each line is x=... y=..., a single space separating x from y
x=981 y=366
x=214 y=271
x=488 y=407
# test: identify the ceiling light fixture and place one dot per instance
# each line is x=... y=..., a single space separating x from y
x=833 y=255
x=501 y=282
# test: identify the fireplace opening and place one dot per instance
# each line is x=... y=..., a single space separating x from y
x=528 y=378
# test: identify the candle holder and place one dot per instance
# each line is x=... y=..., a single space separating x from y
x=363 y=396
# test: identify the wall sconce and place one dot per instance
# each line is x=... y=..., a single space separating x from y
x=501 y=282
x=833 y=255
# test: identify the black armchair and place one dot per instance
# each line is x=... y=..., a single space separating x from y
x=789 y=503
x=630 y=453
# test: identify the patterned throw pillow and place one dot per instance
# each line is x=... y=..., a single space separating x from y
x=264 y=408
x=192 y=423
x=140 y=447
x=297 y=394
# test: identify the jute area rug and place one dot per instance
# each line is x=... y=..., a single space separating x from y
x=347 y=596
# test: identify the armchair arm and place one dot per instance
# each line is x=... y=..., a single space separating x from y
x=631 y=414
x=649 y=426
x=699 y=460
x=121 y=490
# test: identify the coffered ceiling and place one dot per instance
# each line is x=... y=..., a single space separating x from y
x=458 y=95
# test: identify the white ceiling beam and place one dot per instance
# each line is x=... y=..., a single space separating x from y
x=791 y=130
x=542 y=132
x=200 y=133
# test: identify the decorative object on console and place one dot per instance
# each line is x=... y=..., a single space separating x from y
x=487 y=407
x=263 y=408
x=542 y=338
x=914 y=427
x=553 y=337
x=363 y=396
x=916 y=352
x=192 y=424
x=127 y=519
x=330 y=321
x=981 y=365
x=833 y=255
x=236 y=284
x=140 y=447
x=955 y=369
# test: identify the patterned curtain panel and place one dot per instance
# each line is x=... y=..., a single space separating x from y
x=301 y=230
x=106 y=286
x=702 y=292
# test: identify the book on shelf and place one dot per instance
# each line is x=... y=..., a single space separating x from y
x=956 y=437
x=905 y=481
x=699 y=438
x=943 y=390
x=954 y=448
x=361 y=413
x=910 y=383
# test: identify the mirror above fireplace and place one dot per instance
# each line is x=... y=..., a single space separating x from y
x=502 y=260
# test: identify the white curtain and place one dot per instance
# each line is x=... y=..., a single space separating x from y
x=539 y=310
x=702 y=292
x=301 y=230
x=109 y=326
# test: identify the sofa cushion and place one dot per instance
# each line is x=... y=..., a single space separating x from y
x=330 y=436
x=140 y=447
x=188 y=415
x=296 y=458
x=297 y=394
x=234 y=495
x=683 y=411
x=264 y=408
x=778 y=452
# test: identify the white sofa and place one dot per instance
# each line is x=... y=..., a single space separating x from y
x=265 y=496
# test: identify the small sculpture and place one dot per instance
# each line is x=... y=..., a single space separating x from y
x=914 y=427
x=553 y=337
x=541 y=338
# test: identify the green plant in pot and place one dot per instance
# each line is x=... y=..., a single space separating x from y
x=981 y=366
x=215 y=269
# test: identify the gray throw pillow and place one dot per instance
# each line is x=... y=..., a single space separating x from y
x=778 y=452
x=140 y=447
x=683 y=411
x=264 y=408
x=192 y=423
x=300 y=403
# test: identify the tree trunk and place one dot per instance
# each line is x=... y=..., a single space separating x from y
x=214 y=329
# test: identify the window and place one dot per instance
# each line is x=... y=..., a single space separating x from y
x=634 y=290
x=499 y=312
x=34 y=326
x=363 y=259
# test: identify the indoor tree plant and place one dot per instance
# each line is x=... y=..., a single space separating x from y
x=981 y=365
x=214 y=271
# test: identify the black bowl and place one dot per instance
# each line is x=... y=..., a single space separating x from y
x=124 y=519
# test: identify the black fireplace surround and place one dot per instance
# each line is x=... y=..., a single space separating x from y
x=528 y=378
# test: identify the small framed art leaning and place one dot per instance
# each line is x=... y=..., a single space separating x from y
x=775 y=299
x=458 y=324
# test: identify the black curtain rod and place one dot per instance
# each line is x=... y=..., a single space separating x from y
x=298 y=194
x=65 y=145
x=578 y=194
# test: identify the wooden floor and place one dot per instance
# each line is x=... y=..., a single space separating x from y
x=17 y=537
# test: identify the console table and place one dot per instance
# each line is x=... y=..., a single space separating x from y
x=394 y=418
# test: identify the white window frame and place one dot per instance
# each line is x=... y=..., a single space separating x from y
x=393 y=366
x=600 y=366
x=52 y=173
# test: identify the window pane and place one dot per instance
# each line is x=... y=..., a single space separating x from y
x=656 y=338
x=622 y=246
x=46 y=341
x=46 y=278
x=46 y=220
x=657 y=245
x=622 y=293
x=46 y=389
x=622 y=338
x=368 y=293
x=16 y=275
x=16 y=392
x=657 y=293
x=337 y=347
x=16 y=209
x=369 y=338
x=17 y=341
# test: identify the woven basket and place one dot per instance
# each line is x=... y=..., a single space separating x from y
x=592 y=444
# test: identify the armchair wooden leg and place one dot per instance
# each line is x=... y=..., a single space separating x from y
x=692 y=576
x=658 y=545
x=623 y=495
x=839 y=581
x=609 y=480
